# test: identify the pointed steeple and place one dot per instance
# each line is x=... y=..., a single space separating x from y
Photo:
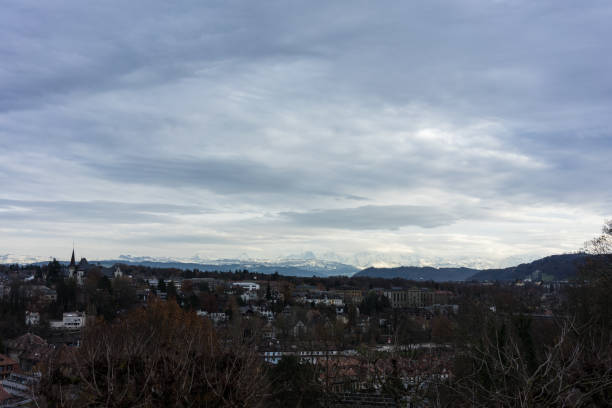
x=72 y=261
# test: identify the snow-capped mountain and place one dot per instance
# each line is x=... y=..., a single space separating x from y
x=303 y=264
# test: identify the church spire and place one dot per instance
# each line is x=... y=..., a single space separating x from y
x=72 y=262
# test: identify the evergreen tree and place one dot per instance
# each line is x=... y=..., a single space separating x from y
x=54 y=270
x=268 y=292
x=161 y=286
x=171 y=290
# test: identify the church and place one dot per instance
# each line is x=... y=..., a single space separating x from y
x=79 y=271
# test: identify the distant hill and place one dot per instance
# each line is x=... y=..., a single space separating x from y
x=419 y=273
x=555 y=267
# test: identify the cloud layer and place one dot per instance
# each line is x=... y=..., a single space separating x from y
x=453 y=130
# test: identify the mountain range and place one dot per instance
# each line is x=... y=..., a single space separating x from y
x=555 y=267
x=297 y=267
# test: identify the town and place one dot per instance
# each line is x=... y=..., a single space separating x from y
x=336 y=341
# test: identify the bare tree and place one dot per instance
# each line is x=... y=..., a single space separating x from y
x=574 y=371
x=157 y=356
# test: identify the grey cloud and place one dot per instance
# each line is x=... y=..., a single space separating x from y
x=371 y=217
x=189 y=239
x=298 y=105
x=231 y=175
x=90 y=212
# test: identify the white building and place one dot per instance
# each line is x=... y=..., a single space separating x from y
x=72 y=320
x=246 y=285
x=323 y=301
x=215 y=317
x=249 y=297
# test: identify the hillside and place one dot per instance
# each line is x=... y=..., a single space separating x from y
x=555 y=267
x=419 y=273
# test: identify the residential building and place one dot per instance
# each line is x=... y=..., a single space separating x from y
x=7 y=366
x=350 y=295
x=32 y=318
x=28 y=350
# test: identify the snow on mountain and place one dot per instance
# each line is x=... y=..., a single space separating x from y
x=328 y=263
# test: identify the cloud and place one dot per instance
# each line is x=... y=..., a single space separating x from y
x=374 y=217
x=304 y=125
x=229 y=175
x=91 y=212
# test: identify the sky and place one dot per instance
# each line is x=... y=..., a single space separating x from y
x=390 y=132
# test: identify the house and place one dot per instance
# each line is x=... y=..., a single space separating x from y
x=249 y=297
x=299 y=329
x=112 y=273
x=7 y=366
x=28 y=350
x=32 y=318
x=268 y=331
x=214 y=317
x=42 y=293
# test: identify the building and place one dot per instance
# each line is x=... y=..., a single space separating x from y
x=212 y=283
x=412 y=297
x=79 y=271
x=249 y=296
x=299 y=329
x=350 y=295
x=21 y=385
x=32 y=318
x=442 y=297
x=71 y=320
x=6 y=399
x=7 y=366
x=322 y=301
x=216 y=318
x=398 y=298
x=246 y=285
x=41 y=293
x=28 y=350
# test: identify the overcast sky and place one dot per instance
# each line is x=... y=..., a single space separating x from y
x=460 y=131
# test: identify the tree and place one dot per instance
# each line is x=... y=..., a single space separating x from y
x=105 y=284
x=601 y=245
x=441 y=329
x=171 y=290
x=54 y=270
x=268 y=292
x=374 y=303
x=294 y=384
x=160 y=355
x=496 y=370
x=161 y=286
